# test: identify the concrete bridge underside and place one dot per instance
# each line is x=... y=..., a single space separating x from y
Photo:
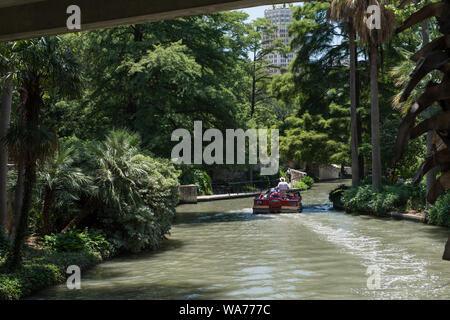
x=25 y=19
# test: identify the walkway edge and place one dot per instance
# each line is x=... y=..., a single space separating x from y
x=408 y=216
x=226 y=196
x=217 y=197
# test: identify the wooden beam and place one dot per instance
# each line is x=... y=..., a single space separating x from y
x=45 y=18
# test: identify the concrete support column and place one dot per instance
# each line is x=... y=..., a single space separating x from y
x=187 y=194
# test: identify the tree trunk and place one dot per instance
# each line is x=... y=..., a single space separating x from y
x=361 y=156
x=446 y=255
x=77 y=219
x=14 y=258
x=359 y=120
x=353 y=110
x=29 y=116
x=253 y=102
x=49 y=198
x=5 y=115
x=18 y=198
x=431 y=176
x=375 y=118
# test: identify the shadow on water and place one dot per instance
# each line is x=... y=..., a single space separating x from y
x=166 y=246
x=191 y=218
x=126 y=290
x=435 y=232
x=317 y=208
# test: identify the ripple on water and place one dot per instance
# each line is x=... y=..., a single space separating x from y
x=221 y=251
x=403 y=274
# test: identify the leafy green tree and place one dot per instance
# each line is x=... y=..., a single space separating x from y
x=320 y=120
x=309 y=133
x=318 y=65
x=262 y=41
x=133 y=82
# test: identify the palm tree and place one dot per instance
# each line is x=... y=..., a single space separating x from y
x=373 y=38
x=60 y=179
x=43 y=66
x=354 y=12
x=431 y=176
x=344 y=11
x=115 y=168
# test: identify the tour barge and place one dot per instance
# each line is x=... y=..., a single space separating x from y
x=272 y=202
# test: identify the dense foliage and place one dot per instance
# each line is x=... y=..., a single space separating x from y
x=200 y=178
x=93 y=115
x=301 y=185
x=318 y=90
x=306 y=183
x=399 y=197
x=135 y=194
x=46 y=267
x=75 y=241
x=439 y=212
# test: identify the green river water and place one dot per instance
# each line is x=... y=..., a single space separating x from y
x=219 y=250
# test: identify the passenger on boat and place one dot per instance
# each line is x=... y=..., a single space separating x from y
x=264 y=195
x=283 y=187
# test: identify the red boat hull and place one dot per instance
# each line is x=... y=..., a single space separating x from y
x=273 y=203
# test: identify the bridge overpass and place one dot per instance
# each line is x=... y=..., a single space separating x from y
x=25 y=19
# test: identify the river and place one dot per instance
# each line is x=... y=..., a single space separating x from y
x=219 y=250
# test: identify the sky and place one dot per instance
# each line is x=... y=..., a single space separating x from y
x=257 y=12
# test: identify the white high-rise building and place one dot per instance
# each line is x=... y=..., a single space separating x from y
x=279 y=15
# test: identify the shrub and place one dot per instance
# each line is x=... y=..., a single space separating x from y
x=203 y=182
x=336 y=197
x=439 y=213
x=392 y=197
x=308 y=181
x=301 y=185
x=367 y=180
x=66 y=242
x=10 y=288
x=4 y=244
x=74 y=241
x=200 y=178
x=137 y=194
x=43 y=268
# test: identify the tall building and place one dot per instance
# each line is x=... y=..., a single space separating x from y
x=279 y=15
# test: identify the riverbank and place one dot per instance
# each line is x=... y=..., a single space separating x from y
x=43 y=268
x=400 y=201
